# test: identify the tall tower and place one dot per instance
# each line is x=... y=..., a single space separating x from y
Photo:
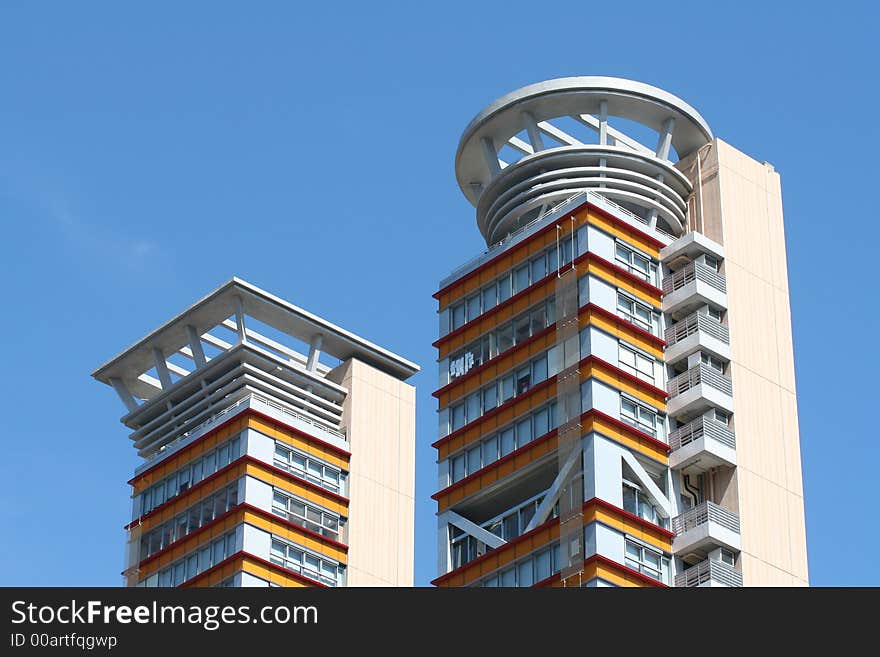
x=617 y=400
x=263 y=465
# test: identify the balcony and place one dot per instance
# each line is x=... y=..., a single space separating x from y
x=697 y=390
x=696 y=332
x=703 y=528
x=701 y=444
x=710 y=573
x=692 y=286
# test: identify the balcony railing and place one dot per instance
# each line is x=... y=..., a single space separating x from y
x=693 y=323
x=695 y=376
x=696 y=429
x=695 y=271
x=703 y=513
x=709 y=570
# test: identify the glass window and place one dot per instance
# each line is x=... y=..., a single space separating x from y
x=490 y=297
x=715 y=363
x=490 y=397
x=508 y=577
x=458 y=468
x=524 y=573
x=458 y=315
x=521 y=328
x=505 y=338
x=473 y=307
x=506 y=388
x=473 y=459
x=524 y=431
x=539 y=268
x=504 y=289
x=523 y=380
x=539 y=369
x=542 y=422
x=542 y=565
x=457 y=416
x=473 y=406
x=508 y=440
x=538 y=318
x=552 y=260
x=522 y=278
x=490 y=450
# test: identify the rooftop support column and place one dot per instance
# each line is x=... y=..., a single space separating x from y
x=195 y=344
x=161 y=368
x=490 y=156
x=239 y=320
x=665 y=140
x=535 y=138
x=603 y=122
x=314 y=352
x=124 y=393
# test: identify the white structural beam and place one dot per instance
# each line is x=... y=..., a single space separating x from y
x=195 y=345
x=124 y=394
x=664 y=141
x=645 y=480
x=161 y=368
x=222 y=345
x=520 y=145
x=475 y=530
x=531 y=126
x=176 y=369
x=559 y=135
x=555 y=489
x=612 y=134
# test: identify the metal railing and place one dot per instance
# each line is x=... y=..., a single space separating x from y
x=696 y=429
x=703 y=513
x=695 y=271
x=707 y=571
x=696 y=322
x=695 y=376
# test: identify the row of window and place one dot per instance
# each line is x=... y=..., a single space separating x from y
x=526 y=572
x=190 y=474
x=306 y=515
x=515 y=382
x=638 y=313
x=188 y=521
x=636 y=263
x=512 y=282
x=639 y=504
x=637 y=363
x=543 y=564
x=464 y=548
x=194 y=563
x=638 y=415
x=647 y=561
x=502 y=338
x=536 y=424
x=309 y=564
x=503 y=442
x=310 y=468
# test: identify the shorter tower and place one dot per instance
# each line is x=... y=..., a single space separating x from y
x=264 y=466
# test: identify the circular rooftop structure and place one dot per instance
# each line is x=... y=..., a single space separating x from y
x=545 y=142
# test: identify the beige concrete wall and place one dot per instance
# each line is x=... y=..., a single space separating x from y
x=379 y=417
x=742 y=205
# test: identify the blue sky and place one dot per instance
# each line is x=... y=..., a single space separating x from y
x=148 y=154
